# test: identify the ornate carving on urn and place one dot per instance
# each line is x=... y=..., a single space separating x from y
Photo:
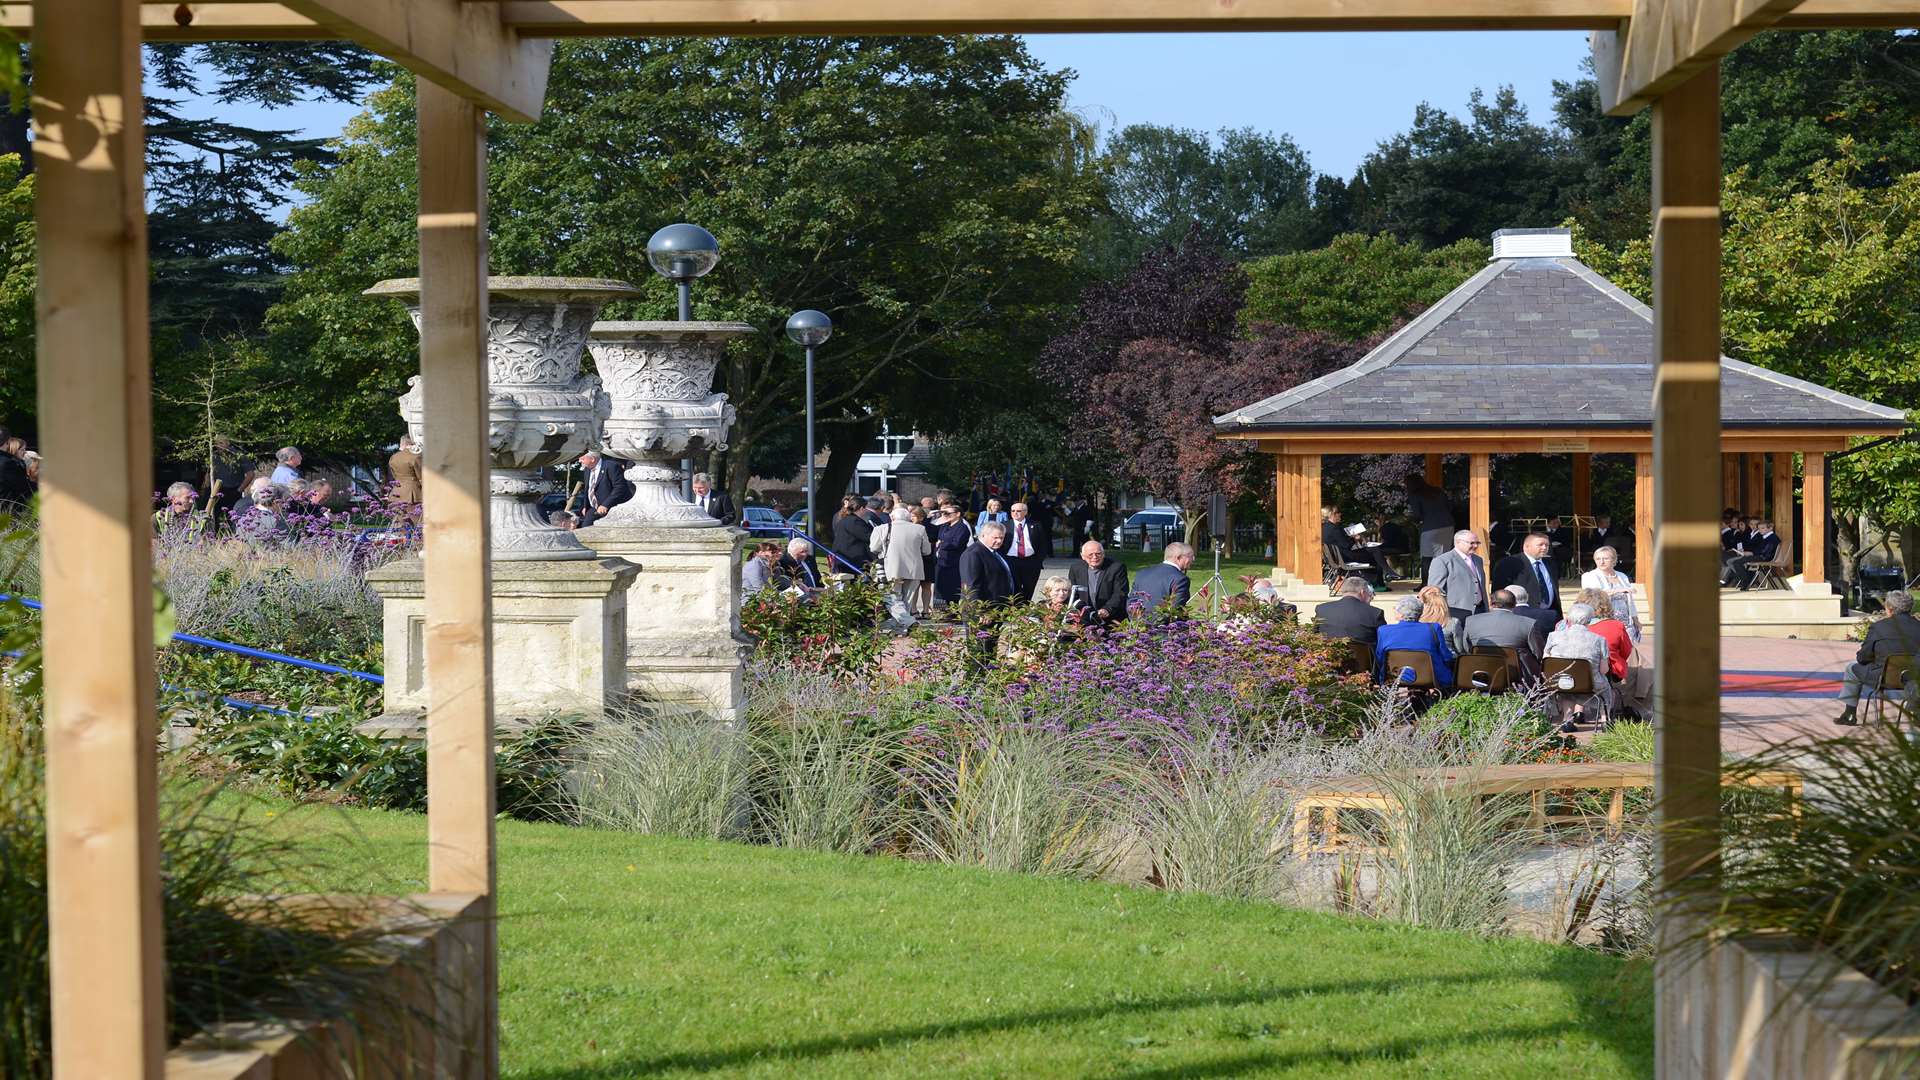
x=541 y=410
x=660 y=378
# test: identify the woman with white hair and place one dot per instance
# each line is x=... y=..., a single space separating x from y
x=1610 y=579
x=900 y=548
x=1408 y=632
x=1575 y=641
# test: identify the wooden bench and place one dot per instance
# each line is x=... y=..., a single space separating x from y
x=1336 y=793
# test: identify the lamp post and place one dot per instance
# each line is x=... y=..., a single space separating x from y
x=681 y=253
x=807 y=329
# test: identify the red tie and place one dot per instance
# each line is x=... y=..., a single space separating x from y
x=1020 y=534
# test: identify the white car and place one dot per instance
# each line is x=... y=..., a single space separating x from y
x=1160 y=522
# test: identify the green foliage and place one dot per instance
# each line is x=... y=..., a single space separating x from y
x=1473 y=719
x=1247 y=190
x=1357 y=286
x=311 y=755
x=913 y=188
x=17 y=282
x=1623 y=741
x=836 y=629
x=664 y=772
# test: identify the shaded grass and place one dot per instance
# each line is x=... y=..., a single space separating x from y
x=1231 y=570
x=627 y=955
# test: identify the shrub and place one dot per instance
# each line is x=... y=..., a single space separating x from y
x=1521 y=720
x=1625 y=741
x=1211 y=821
x=818 y=783
x=836 y=629
x=664 y=772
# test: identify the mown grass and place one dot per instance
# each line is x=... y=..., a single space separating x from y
x=625 y=955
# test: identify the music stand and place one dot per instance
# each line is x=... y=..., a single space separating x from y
x=1216 y=583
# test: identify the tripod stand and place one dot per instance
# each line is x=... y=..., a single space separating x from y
x=1216 y=586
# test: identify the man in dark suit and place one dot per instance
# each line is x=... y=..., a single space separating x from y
x=1165 y=584
x=1027 y=549
x=797 y=567
x=1101 y=585
x=1545 y=618
x=984 y=573
x=1559 y=539
x=606 y=486
x=1761 y=547
x=1506 y=627
x=1895 y=634
x=1353 y=616
x=717 y=504
x=1534 y=569
x=1333 y=536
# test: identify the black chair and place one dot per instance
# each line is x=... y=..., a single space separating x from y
x=1336 y=570
x=1896 y=677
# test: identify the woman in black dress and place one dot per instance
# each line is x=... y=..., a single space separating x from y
x=851 y=533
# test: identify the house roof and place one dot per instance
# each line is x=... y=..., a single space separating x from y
x=1536 y=343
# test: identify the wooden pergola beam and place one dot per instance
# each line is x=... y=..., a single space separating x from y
x=1667 y=42
x=461 y=46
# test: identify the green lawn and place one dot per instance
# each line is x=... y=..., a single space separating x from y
x=624 y=956
x=1231 y=570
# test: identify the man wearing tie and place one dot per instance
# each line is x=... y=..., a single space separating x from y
x=1461 y=575
x=717 y=504
x=984 y=574
x=605 y=484
x=1026 y=552
x=1533 y=569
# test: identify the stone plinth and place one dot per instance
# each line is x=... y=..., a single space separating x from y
x=558 y=634
x=684 y=644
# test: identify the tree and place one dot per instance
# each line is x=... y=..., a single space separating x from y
x=1250 y=191
x=1448 y=179
x=1818 y=283
x=922 y=191
x=17 y=278
x=1357 y=286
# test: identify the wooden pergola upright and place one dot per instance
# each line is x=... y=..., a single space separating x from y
x=1538 y=354
x=475 y=57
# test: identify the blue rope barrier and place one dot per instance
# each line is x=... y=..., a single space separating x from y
x=818 y=546
x=242 y=650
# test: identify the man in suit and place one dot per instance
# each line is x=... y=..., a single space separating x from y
x=1102 y=585
x=1506 y=627
x=1559 y=539
x=404 y=467
x=605 y=484
x=1544 y=618
x=1895 y=634
x=1333 y=535
x=984 y=573
x=1534 y=569
x=1353 y=616
x=797 y=569
x=1027 y=550
x=1462 y=576
x=1166 y=583
x=717 y=504
x=1761 y=547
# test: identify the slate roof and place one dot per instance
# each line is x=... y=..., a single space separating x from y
x=1536 y=343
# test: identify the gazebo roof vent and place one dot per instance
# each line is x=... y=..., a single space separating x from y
x=1532 y=244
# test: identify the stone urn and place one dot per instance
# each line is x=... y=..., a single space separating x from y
x=659 y=376
x=541 y=409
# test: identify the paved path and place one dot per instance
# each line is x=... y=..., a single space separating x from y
x=1774 y=690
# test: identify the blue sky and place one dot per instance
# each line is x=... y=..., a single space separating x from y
x=1335 y=94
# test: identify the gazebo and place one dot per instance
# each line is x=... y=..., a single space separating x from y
x=1538 y=354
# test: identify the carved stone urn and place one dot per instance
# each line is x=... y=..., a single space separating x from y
x=541 y=409
x=659 y=376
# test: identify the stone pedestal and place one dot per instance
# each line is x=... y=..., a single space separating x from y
x=559 y=633
x=684 y=644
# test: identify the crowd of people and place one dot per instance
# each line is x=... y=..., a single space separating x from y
x=1518 y=611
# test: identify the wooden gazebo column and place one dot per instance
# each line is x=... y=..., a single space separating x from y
x=1730 y=481
x=1480 y=502
x=1756 y=484
x=1583 y=485
x=1643 y=508
x=1436 y=471
x=1813 y=517
x=103 y=846
x=1782 y=502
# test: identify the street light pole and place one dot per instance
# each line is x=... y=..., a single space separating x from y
x=681 y=253
x=808 y=329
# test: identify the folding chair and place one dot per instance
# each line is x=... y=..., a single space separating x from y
x=1400 y=661
x=1580 y=684
x=1336 y=570
x=1896 y=677
x=1482 y=673
x=1358 y=659
x=1770 y=575
x=1516 y=668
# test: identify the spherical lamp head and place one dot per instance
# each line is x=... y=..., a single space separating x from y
x=809 y=327
x=683 y=252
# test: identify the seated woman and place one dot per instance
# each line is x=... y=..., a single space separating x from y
x=1575 y=640
x=1407 y=631
x=1433 y=609
x=1619 y=644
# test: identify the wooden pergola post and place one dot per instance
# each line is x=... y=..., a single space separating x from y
x=1281 y=524
x=1583 y=484
x=1756 y=485
x=103 y=851
x=1813 y=517
x=1480 y=502
x=1643 y=507
x=1782 y=502
x=1730 y=481
x=1436 y=473
x=1686 y=547
x=1312 y=556
x=458 y=631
